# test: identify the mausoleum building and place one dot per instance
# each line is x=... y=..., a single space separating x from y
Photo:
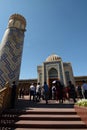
x=53 y=68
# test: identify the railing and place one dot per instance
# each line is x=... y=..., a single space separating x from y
x=5 y=95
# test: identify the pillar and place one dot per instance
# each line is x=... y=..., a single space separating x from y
x=11 y=49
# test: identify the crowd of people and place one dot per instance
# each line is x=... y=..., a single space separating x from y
x=57 y=92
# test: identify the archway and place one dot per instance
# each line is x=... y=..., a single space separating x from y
x=52 y=75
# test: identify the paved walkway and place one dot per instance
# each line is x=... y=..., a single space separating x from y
x=25 y=103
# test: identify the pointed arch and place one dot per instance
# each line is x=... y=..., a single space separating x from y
x=53 y=73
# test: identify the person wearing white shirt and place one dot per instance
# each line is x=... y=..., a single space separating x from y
x=38 y=91
x=53 y=92
x=32 y=91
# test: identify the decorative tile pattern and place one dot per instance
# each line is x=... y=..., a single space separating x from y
x=10 y=55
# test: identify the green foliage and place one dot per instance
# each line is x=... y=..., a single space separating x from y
x=82 y=102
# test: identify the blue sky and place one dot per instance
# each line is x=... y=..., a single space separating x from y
x=53 y=26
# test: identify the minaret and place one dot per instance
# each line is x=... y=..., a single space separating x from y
x=11 y=50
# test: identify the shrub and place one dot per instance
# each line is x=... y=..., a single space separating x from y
x=82 y=102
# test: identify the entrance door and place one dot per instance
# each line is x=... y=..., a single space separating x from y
x=53 y=75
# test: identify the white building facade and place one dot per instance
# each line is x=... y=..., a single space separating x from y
x=55 y=69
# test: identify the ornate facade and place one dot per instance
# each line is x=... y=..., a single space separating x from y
x=53 y=69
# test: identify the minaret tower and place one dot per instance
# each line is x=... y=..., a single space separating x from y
x=11 y=50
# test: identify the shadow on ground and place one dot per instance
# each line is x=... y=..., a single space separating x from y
x=26 y=104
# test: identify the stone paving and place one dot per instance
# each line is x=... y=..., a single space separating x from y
x=25 y=103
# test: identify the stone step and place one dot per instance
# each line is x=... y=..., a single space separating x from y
x=59 y=111
x=50 y=117
x=47 y=124
x=48 y=129
x=43 y=117
x=51 y=124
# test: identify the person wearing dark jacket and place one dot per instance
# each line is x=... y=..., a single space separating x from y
x=13 y=94
x=72 y=91
x=46 y=90
x=59 y=92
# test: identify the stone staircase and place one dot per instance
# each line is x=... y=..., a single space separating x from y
x=41 y=118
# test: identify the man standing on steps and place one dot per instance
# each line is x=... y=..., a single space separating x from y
x=13 y=94
x=46 y=90
x=32 y=91
x=72 y=91
x=38 y=91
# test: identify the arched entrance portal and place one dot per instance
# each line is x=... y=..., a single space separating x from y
x=52 y=75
